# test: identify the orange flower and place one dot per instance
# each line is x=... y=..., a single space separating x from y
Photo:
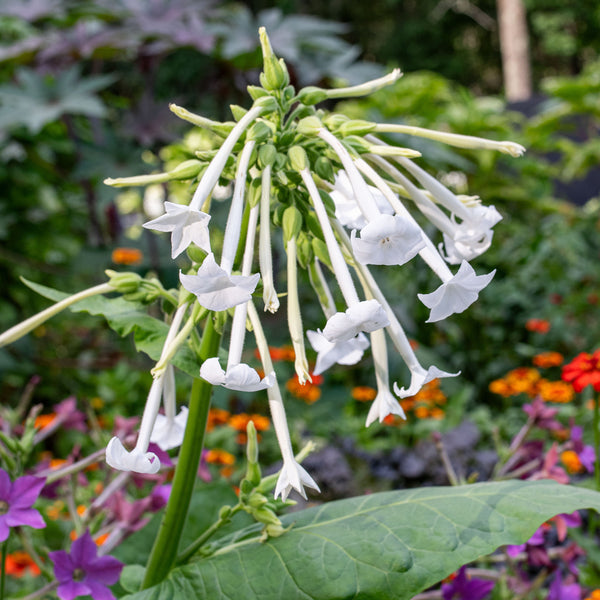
x=545 y=360
x=538 y=325
x=216 y=416
x=364 y=393
x=216 y=456
x=309 y=392
x=42 y=421
x=127 y=256
x=571 y=461
x=595 y=595
x=240 y=421
x=19 y=563
x=583 y=370
x=555 y=391
x=523 y=380
x=101 y=539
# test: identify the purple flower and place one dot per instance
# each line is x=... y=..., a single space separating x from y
x=70 y=416
x=83 y=572
x=586 y=453
x=564 y=591
x=463 y=587
x=16 y=500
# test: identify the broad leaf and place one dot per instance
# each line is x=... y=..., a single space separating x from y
x=387 y=546
x=127 y=317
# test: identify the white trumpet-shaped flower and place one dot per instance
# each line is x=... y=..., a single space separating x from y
x=456 y=294
x=366 y=316
x=216 y=289
x=293 y=476
x=419 y=377
x=385 y=403
x=138 y=461
x=387 y=240
x=186 y=225
x=239 y=377
x=348 y=352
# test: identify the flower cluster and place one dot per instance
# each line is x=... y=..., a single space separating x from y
x=342 y=200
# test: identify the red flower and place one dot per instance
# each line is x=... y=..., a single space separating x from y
x=538 y=325
x=583 y=370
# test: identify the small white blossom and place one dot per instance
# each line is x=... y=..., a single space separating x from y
x=419 y=377
x=136 y=460
x=366 y=316
x=186 y=225
x=293 y=476
x=385 y=404
x=457 y=294
x=216 y=289
x=239 y=377
x=168 y=432
x=348 y=352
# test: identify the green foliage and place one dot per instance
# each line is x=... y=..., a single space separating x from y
x=408 y=541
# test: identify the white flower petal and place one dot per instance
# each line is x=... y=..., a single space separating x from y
x=240 y=377
x=365 y=316
x=293 y=476
x=457 y=294
x=140 y=462
x=215 y=289
x=186 y=225
x=168 y=433
x=419 y=377
x=348 y=352
x=384 y=404
x=387 y=240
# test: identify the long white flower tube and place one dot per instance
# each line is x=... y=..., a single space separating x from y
x=293 y=475
x=360 y=316
x=169 y=428
x=264 y=243
x=139 y=459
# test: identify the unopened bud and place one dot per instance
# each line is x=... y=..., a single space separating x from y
x=256 y=92
x=356 y=127
x=259 y=132
x=320 y=249
x=124 y=283
x=237 y=111
x=267 y=154
x=334 y=121
x=324 y=169
x=224 y=513
x=309 y=126
x=292 y=223
x=298 y=158
x=252 y=443
x=311 y=95
x=268 y=103
x=275 y=73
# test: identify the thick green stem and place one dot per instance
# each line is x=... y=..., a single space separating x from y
x=597 y=441
x=164 y=551
x=3 y=568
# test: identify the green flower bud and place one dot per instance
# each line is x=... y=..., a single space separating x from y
x=311 y=95
x=251 y=444
x=256 y=500
x=309 y=126
x=224 y=513
x=298 y=158
x=324 y=169
x=195 y=253
x=292 y=223
x=265 y=515
x=237 y=111
x=289 y=93
x=124 y=283
x=334 y=121
x=276 y=530
x=267 y=154
x=356 y=127
x=188 y=169
x=256 y=92
x=11 y=443
x=259 y=132
x=253 y=192
x=246 y=488
x=267 y=102
x=304 y=250
x=275 y=73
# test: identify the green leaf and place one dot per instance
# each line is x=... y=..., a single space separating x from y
x=386 y=546
x=127 y=317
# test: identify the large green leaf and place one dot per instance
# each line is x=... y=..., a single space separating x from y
x=127 y=317
x=385 y=546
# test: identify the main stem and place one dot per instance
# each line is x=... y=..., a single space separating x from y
x=164 y=551
x=597 y=441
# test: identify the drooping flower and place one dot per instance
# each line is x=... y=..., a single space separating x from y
x=419 y=376
x=583 y=370
x=348 y=352
x=186 y=225
x=16 y=501
x=82 y=572
x=457 y=294
x=216 y=289
x=239 y=377
x=293 y=476
x=464 y=587
x=366 y=316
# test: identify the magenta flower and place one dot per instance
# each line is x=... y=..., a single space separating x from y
x=463 y=587
x=564 y=591
x=83 y=572
x=16 y=500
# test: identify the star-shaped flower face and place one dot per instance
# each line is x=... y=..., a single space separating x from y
x=240 y=377
x=348 y=352
x=457 y=294
x=387 y=240
x=215 y=289
x=418 y=378
x=365 y=316
x=140 y=462
x=293 y=477
x=384 y=404
x=186 y=225
x=464 y=248
x=168 y=433
x=16 y=499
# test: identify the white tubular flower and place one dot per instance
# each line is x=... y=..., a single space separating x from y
x=457 y=294
x=168 y=429
x=385 y=403
x=216 y=289
x=292 y=475
x=418 y=378
x=387 y=240
x=264 y=243
x=139 y=462
x=186 y=225
x=366 y=316
x=216 y=166
x=329 y=353
x=239 y=377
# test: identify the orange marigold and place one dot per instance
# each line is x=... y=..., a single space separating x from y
x=501 y=387
x=309 y=392
x=538 y=325
x=216 y=416
x=127 y=256
x=555 y=391
x=595 y=595
x=363 y=393
x=19 y=563
x=571 y=460
x=240 y=421
x=523 y=380
x=216 y=456
x=545 y=360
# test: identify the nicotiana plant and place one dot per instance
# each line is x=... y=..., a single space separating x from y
x=342 y=200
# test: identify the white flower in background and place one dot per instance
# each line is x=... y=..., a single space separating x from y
x=456 y=294
x=387 y=240
x=348 y=352
x=216 y=289
x=239 y=377
x=186 y=225
x=168 y=432
x=366 y=316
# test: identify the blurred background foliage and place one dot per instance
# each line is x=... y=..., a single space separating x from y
x=84 y=94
